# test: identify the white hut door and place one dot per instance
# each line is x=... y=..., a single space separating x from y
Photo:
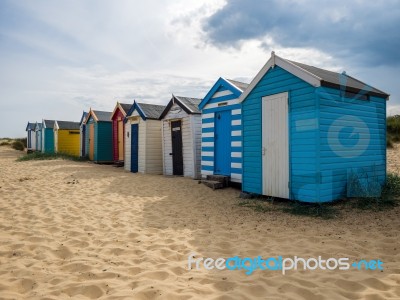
x=275 y=146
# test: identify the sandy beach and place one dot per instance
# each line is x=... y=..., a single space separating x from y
x=85 y=231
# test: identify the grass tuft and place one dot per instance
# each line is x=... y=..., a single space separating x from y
x=18 y=145
x=50 y=156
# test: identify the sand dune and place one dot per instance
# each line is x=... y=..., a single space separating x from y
x=86 y=231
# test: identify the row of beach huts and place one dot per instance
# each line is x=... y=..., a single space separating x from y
x=294 y=132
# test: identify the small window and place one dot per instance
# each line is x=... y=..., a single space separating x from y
x=74 y=132
x=355 y=96
x=223 y=104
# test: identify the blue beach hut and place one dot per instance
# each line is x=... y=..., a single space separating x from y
x=48 y=136
x=310 y=134
x=98 y=136
x=221 y=136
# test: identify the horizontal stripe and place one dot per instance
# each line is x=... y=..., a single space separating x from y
x=236 y=122
x=205 y=172
x=237 y=111
x=207 y=139
x=236 y=138
x=208 y=120
x=236 y=176
x=236 y=154
x=236 y=170
x=207 y=168
x=207 y=144
x=228 y=102
x=205 y=153
x=207 y=130
x=207 y=149
x=236 y=117
x=207 y=125
x=236 y=144
x=207 y=158
x=236 y=127
x=236 y=165
x=213 y=110
x=207 y=134
x=222 y=93
x=237 y=133
x=207 y=163
x=206 y=116
x=236 y=159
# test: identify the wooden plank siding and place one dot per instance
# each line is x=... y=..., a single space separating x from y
x=191 y=141
x=339 y=155
x=68 y=141
x=302 y=109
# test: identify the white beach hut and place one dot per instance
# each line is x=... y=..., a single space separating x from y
x=181 y=137
x=143 y=146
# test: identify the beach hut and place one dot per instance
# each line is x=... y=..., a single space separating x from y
x=48 y=136
x=66 y=137
x=310 y=134
x=38 y=136
x=221 y=137
x=30 y=137
x=99 y=136
x=82 y=133
x=118 y=130
x=181 y=137
x=143 y=140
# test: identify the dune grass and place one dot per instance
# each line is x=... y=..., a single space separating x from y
x=50 y=156
x=389 y=199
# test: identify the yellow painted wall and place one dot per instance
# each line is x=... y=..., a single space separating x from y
x=68 y=142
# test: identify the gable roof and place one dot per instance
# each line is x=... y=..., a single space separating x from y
x=30 y=126
x=240 y=85
x=99 y=115
x=48 y=123
x=147 y=111
x=124 y=108
x=38 y=126
x=314 y=76
x=189 y=105
x=66 y=125
x=236 y=87
x=83 y=118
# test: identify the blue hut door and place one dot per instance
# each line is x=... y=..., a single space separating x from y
x=134 y=147
x=275 y=146
x=222 y=143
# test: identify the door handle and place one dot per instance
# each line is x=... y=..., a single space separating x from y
x=171 y=154
x=264 y=150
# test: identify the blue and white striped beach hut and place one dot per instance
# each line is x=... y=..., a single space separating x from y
x=221 y=137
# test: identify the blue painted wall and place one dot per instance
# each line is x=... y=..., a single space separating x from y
x=48 y=146
x=322 y=141
x=352 y=140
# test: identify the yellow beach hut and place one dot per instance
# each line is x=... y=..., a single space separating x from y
x=66 y=137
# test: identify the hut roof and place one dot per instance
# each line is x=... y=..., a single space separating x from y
x=48 y=123
x=67 y=125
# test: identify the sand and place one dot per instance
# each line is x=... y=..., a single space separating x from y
x=86 y=231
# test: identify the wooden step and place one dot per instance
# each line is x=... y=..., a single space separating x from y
x=213 y=184
x=220 y=178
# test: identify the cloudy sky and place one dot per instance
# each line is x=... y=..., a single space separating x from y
x=58 y=58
